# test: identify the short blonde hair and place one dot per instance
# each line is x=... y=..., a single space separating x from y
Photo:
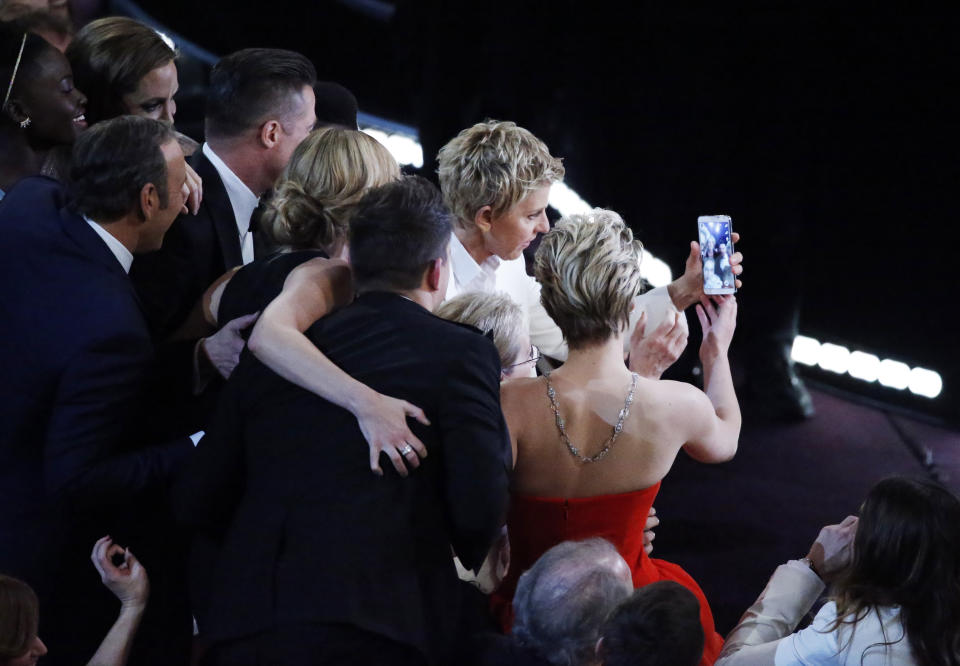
x=496 y=164
x=328 y=173
x=497 y=315
x=588 y=267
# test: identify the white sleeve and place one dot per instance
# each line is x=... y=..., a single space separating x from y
x=813 y=646
x=789 y=594
x=525 y=290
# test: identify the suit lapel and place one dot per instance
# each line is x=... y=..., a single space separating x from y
x=220 y=209
x=90 y=244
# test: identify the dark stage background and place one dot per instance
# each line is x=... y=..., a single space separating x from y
x=826 y=130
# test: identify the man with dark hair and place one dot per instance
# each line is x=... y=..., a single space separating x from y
x=77 y=460
x=323 y=562
x=260 y=106
x=659 y=625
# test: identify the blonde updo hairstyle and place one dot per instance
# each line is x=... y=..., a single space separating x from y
x=496 y=315
x=494 y=163
x=328 y=173
x=588 y=267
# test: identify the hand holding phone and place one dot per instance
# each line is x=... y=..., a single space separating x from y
x=716 y=248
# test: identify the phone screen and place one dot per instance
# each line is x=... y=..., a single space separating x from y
x=716 y=247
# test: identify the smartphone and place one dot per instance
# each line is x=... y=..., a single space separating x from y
x=716 y=247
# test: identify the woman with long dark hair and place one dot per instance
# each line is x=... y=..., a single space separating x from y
x=896 y=588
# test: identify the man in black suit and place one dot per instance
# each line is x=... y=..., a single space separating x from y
x=322 y=561
x=260 y=106
x=77 y=460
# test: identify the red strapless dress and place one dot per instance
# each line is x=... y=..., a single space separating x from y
x=536 y=524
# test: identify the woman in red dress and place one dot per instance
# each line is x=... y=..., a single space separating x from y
x=592 y=441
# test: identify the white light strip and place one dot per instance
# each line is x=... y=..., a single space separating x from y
x=866 y=367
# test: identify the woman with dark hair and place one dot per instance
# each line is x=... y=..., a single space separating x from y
x=41 y=109
x=19 y=623
x=127 y=67
x=895 y=596
x=20 y=644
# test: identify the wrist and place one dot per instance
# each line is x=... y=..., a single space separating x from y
x=133 y=607
x=681 y=294
x=358 y=397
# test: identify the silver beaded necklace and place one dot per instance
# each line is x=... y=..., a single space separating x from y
x=617 y=429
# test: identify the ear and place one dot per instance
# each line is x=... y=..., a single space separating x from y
x=270 y=133
x=16 y=111
x=149 y=201
x=435 y=274
x=484 y=219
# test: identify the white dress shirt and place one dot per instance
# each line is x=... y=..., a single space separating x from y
x=510 y=277
x=119 y=250
x=242 y=199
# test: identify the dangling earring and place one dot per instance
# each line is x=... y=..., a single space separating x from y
x=25 y=123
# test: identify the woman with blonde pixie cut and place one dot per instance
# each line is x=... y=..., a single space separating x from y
x=592 y=440
x=308 y=216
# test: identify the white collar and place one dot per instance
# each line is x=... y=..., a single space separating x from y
x=119 y=250
x=242 y=198
x=464 y=266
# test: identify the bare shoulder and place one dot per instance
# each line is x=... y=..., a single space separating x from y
x=675 y=401
x=519 y=396
x=316 y=270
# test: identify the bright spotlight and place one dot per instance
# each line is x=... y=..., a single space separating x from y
x=834 y=358
x=925 y=382
x=894 y=374
x=805 y=350
x=864 y=366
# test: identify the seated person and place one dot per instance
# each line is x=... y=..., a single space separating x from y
x=499 y=317
x=561 y=603
x=659 y=625
x=592 y=441
x=894 y=596
x=20 y=610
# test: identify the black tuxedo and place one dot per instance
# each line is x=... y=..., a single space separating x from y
x=76 y=460
x=313 y=537
x=196 y=251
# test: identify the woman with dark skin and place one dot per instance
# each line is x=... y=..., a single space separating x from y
x=42 y=111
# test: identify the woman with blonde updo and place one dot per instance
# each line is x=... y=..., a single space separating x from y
x=592 y=441
x=308 y=216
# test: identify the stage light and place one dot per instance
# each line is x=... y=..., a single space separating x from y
x=864 y=366
x=925 y=382
x=894 y=374
x=834 y=358
x=566 y=201
x=404 y=148
x=805 y=350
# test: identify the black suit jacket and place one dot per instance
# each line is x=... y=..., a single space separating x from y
x=196 y=250
x=76 y=460
x=314 y=536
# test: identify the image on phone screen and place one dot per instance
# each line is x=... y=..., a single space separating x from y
x=716 y=246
